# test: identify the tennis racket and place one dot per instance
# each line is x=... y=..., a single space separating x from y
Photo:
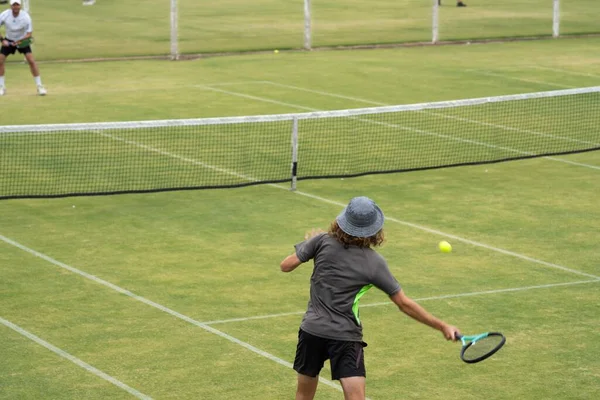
x=24 y=43
x=477 y=348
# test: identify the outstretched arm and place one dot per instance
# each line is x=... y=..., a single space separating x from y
x=409 y=307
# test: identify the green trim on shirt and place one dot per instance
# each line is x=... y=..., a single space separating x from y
x=360 y=294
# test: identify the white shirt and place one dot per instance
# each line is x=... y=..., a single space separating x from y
x=16 y=27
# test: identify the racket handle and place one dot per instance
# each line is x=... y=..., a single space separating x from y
x=458 y=336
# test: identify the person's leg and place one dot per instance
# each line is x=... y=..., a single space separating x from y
x=307 y=387
x=35 y=72
x=2 y=59
x=348 y=366
x=354 y=387
x=311 y=353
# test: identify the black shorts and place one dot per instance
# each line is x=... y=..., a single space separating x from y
x=8 y=50
x=347 y=358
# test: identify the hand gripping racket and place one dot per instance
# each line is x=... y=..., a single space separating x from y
x=477 y=348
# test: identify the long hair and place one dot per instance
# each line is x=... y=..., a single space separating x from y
x=347 y=240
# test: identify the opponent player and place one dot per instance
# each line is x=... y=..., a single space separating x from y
x=19 y=31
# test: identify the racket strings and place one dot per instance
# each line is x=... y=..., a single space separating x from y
x=482 y=347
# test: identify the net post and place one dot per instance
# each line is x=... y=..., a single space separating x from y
x=435 y=19
x=307 y=26
x=556 y=19
x=294 y=152
x=174 y=29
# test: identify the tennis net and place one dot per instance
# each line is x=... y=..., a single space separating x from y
x=151 y=156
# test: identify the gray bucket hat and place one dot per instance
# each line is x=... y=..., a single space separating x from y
x=361 y=218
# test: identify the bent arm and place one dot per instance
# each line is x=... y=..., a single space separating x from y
x=290 y=263
x=409 y=307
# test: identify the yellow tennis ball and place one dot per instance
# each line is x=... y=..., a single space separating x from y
x=445 y=247
x=275 y=51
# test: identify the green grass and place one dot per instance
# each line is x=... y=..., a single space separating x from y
x=66 y=30
x=524 y=236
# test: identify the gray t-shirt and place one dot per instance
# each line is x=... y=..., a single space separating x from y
x=340 y=277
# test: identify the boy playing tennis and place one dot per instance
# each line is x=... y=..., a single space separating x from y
x=18 y=35
x=345 y=267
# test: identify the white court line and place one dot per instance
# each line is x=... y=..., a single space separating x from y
x=74 y=360
x=495 y=291
x=231 y=338
x=564 y=71
x=510 y=128
x=376 y=103
x=209 y=87
x=412 y=225
x=339 y=96
x=161 y=308
x=247 y=96
x=322 y=199
x=457 y=238
x=442 y=297
x=176 y=156
x=162 y=152
x=574 y=163
x=233 y=83
x=217 y=332
x=492 y=74
x=57 y=92
x=248 y=346
x=263 y=99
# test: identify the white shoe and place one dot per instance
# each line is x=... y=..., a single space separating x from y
x=42 y=90
x=89 y=2
x=2 y=90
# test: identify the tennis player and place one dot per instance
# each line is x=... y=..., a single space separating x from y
x=19 y=29
x=345 y=267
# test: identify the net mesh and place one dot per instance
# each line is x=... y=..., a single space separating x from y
x=109 y=158
x=462 y=134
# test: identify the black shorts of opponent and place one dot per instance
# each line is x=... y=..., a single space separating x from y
x=8 y=50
